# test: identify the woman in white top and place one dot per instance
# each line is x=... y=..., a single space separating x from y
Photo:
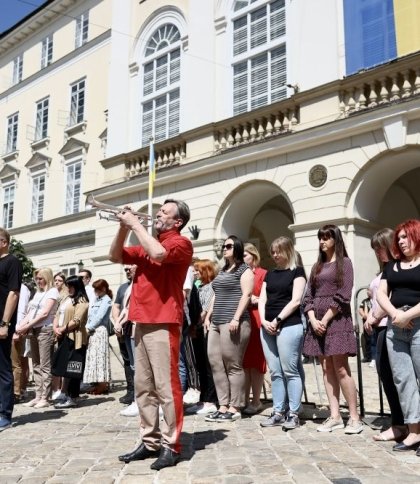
x=39 y=320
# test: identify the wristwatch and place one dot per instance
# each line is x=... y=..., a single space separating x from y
x=279 y=320
x=4 y=323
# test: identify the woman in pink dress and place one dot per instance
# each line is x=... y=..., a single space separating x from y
x=254 y=361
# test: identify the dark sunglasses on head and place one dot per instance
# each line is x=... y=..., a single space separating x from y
x=227 y=246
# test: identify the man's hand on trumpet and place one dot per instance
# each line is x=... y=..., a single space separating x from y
x=128 y=219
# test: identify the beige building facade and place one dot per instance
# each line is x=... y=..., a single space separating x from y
x=256 y=126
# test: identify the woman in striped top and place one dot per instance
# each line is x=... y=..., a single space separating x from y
x=228 y=323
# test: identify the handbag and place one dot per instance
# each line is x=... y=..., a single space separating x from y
x=68 y=362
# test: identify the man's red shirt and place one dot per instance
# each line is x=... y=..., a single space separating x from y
x=157 y=295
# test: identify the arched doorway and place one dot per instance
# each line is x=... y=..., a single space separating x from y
x=257 y=212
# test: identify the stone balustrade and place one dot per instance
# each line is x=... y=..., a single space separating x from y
x=378 y=88
x=165 y=156
x=256 y=126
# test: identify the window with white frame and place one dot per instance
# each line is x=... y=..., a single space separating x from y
x=8 y=205
x=73 y=186
x=259 y=54
x=17 y=69
x=38 y=198
x=46 y=51
x=77 y=102
x=41 y=125
x=69 y=270
x=82 y=29
x=161 y=84
x=12 y=132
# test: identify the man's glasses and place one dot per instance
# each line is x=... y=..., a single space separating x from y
x=127 y=269
x=227 y=246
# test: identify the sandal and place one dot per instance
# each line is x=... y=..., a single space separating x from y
x=398 y=435
x=100 y=389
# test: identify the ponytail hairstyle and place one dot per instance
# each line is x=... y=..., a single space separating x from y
x=102 y=285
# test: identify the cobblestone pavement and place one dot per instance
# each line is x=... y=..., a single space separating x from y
x=81 y=445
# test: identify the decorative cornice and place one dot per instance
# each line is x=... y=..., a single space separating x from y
x=9 y=171
x=72 y=145
x=38 y=160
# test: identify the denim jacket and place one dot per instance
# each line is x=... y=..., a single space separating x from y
x=99 y=313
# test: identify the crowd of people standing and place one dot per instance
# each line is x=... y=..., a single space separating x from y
x=248 y=319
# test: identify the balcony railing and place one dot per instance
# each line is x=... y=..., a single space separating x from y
x=388 y=84
x=381 y=86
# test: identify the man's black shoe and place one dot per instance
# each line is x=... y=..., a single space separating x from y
x=127 y=399
x=167 y=458
x=141 y=453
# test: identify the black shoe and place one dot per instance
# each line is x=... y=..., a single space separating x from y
x=418 y=452
x=127 y=398
x=141 y=453
x=401 y=447
x=366 y=360
x=212 y=417
x=167 y=458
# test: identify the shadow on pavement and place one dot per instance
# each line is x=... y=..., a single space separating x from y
x=35 y=417
x=191 y=443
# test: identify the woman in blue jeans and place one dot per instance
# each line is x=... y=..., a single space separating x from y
x=282 y=332
x=399 y=296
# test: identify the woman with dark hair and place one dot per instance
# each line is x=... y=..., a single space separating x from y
x=70 y=321
x=376 y=322
x=229 y=327
x=330 y=335
x=399 y=296
x=98 y=364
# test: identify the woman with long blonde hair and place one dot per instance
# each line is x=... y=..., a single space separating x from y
x=39 y=322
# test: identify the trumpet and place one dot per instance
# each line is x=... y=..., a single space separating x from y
x=110 y=212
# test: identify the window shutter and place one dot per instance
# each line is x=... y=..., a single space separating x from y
x=173 y=113
x=148 y=79
x=175 y=66
x=147 y=122
x=277 y=19
x=278 y=74
x=161 y=73
x=240 y=36
x=161 y=110
x=258 y=27
x=240 y=88
x=259 y=81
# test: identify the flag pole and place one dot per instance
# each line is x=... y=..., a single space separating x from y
x=151 y=181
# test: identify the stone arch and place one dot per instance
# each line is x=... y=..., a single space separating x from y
x=257 y=211
x=386 y=190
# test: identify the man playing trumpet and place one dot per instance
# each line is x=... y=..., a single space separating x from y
x=156 y=308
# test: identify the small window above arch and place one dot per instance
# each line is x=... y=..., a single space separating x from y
x=163 y=37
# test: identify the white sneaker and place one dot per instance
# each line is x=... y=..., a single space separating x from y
x=131 y=411
x=372 y=364
x=206 y=409
x=353 y=426
x=191 y=396
x=58 y=396
x=331 y=424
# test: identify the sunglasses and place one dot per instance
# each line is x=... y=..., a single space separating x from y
x=227 y=246
x=127 y=269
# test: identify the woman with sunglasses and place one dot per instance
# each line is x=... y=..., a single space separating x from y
x=39 y=322
x=229 y=327
x=330 y=334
